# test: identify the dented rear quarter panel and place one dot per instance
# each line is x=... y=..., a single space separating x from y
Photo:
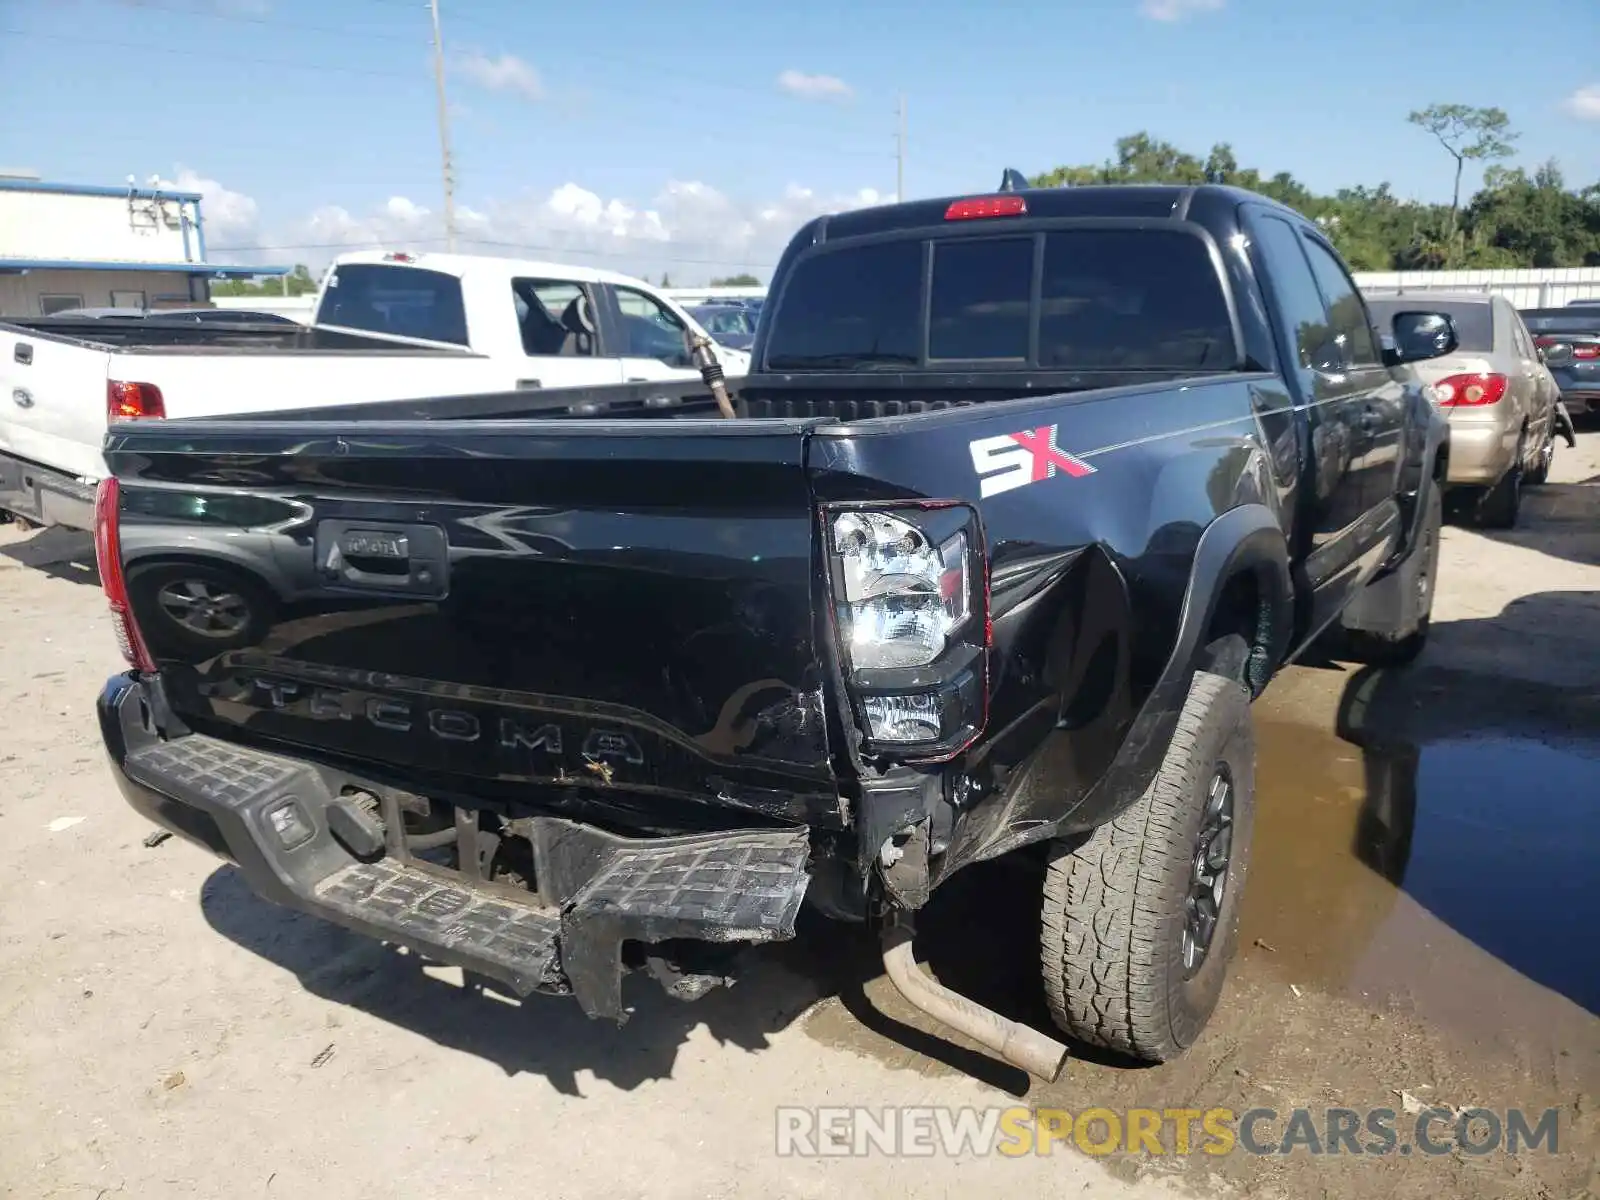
x=1092 y=508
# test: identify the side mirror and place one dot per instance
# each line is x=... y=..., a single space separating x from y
x=1419 y=336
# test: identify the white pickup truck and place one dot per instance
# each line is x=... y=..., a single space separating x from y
x=388 y=327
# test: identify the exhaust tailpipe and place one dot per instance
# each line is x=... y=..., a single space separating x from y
x=1019 y=1045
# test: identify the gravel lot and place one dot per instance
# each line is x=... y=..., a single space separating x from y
x=1425 y=890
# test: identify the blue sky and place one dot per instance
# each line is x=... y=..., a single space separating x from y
x=287 y=107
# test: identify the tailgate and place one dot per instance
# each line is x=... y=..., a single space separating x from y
x=474 y=607
x=53 y=402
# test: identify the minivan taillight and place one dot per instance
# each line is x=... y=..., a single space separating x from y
x=910 y=604
x=133 y=401
x=108 y=559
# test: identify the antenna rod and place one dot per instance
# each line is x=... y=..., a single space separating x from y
x=444 y=133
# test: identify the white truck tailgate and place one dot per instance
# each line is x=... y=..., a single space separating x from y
x=53 y=403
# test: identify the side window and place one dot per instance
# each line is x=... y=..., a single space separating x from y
x=1298 y=302
x=555 y=318
x=1346 y=310
x=650 y=329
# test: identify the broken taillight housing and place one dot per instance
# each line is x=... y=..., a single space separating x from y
x=911 y=614
x=108 y=560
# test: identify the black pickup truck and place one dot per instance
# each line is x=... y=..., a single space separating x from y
x=1028 y=495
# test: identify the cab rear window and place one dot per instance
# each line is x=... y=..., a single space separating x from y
x=400 y=301
x=1107 y=299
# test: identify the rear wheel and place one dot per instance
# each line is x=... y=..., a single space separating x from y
x=1502 y=503
x=1540 y=471
x=1140 y=919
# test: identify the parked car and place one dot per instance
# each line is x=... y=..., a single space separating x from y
x=388 y=326
x=1027 y=497
x=1498 y=394
x=1570 y=340
x=732 y=325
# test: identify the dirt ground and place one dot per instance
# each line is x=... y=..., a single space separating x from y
x=1420 y=920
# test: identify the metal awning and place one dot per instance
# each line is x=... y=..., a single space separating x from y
x=18 y=266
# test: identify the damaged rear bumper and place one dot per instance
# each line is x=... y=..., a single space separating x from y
x=269 y=814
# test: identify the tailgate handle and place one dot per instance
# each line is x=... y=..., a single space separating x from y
x=412 y=560
x=23 y=353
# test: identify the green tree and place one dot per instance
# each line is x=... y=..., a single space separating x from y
x=1514 y=220
x=742 y=280
x=1481 y=134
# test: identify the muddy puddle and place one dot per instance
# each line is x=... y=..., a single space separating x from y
x=1420 y=917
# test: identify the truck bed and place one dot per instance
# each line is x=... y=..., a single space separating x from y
x=799 y=397
x=131 y=336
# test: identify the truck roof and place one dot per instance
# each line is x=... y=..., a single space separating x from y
x=1148 y=200
x=464 y=265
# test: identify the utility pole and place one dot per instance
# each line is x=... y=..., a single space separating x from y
x=444 y=134
x=900 y=152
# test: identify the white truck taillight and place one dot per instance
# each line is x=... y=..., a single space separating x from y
x=912 y=620
x=108 y=560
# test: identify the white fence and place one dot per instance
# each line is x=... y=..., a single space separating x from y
x=1549 y=287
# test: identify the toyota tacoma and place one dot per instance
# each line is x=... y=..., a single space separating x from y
x=1026 y=496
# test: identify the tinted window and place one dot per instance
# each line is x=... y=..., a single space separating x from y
x=1346 y=313
x=1299 y=303
x=1561 y=320
x=979 y=307
x=404 y=301
x=650 y=329
x=1474 y=321
x=1131 y=298
x=849 y=307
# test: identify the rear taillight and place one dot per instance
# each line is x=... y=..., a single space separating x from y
x=911 y=613
x=979 y=207
x=1470 y=391
x=1585 y=350
x=108 y=558
x=133 y=401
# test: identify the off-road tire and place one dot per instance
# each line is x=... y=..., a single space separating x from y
x=1114 y=903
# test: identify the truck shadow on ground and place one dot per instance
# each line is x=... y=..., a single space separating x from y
x=63 y=553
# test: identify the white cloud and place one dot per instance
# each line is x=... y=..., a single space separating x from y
x=814 y=87
x=508 y=73
x=1177 y=10
x=688 y=229
x=1584 y=103
x=230 y=217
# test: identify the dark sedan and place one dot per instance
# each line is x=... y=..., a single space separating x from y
x=1570 y=340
